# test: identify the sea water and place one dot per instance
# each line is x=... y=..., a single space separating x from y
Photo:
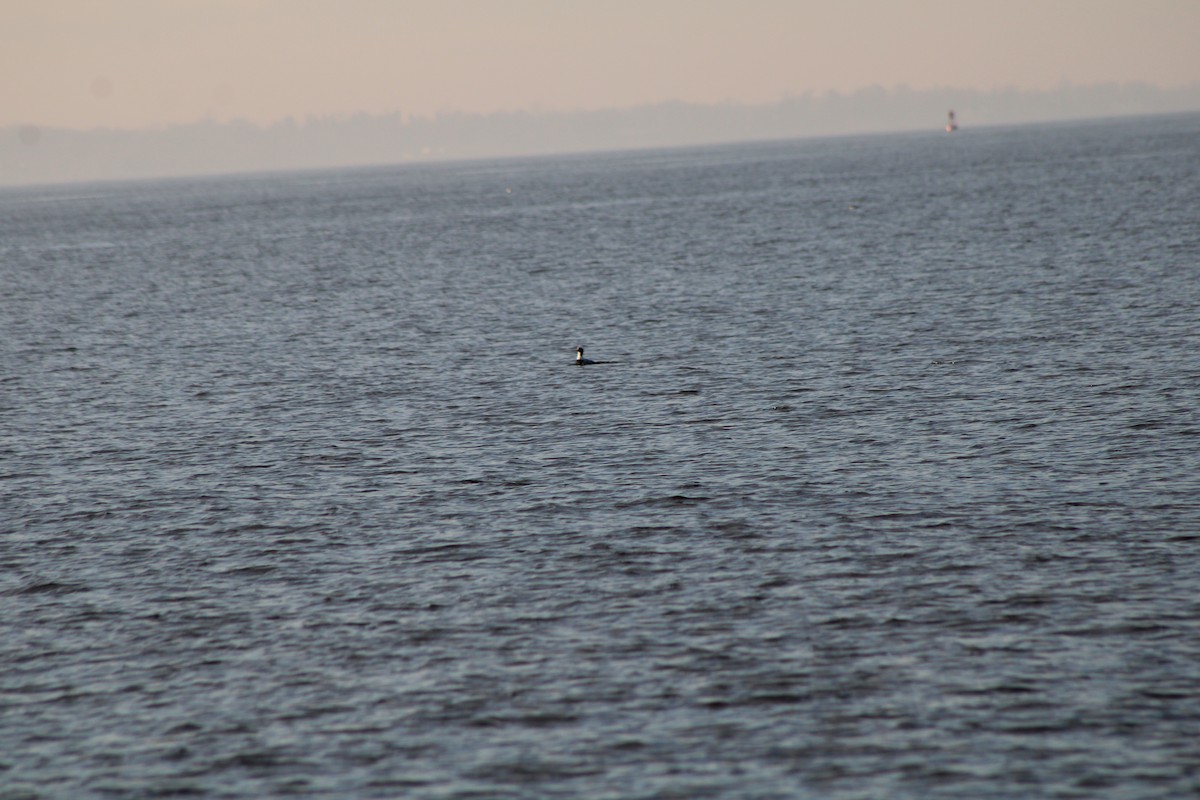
x=889 y=486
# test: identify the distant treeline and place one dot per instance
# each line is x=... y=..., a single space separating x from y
x=29 y=154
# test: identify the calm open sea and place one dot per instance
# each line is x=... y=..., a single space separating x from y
x=890 y=488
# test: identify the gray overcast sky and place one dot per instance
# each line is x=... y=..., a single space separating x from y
x=146 y=63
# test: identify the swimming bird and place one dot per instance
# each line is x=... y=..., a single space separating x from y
x=579 y=359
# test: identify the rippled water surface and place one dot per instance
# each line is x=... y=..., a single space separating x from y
x=890 y=488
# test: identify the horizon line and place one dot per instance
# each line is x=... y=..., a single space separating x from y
x=307 y=118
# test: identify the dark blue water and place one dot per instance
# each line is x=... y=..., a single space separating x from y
x=891 y=490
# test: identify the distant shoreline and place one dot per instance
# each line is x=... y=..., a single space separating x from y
x=31 y=156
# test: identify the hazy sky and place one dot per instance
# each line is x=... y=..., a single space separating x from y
x=138 y=63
